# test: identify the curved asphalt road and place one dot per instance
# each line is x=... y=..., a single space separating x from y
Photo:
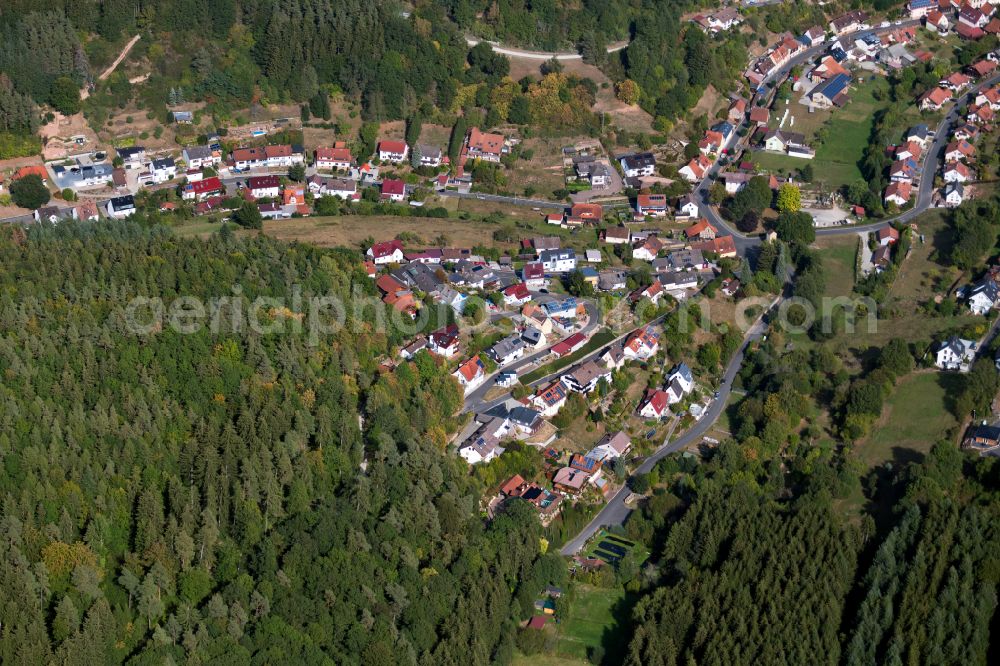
x=537 y=55
x=615 y=511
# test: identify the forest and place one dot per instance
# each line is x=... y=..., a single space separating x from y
x=232 y=496
x=757 y=564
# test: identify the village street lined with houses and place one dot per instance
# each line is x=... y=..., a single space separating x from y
x=773 y=280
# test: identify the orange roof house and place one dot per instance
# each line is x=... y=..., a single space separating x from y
x=36 y=170
x=588 y=211
x=702 y=229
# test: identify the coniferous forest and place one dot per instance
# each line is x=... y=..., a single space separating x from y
x=199 y=499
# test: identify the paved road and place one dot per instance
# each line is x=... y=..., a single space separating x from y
x=476 y=401
x=925 y=192
x=616 y=511
x=538 y=55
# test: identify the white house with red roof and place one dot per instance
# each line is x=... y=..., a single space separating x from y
x=264 y=187
x=386 y=252
x=393 y=189
x=516 y=294
x=332 y=159
x=934 y=99
x=485 y=146
x=642 y=344
x=471 y=374
x=203 y=189
x=393 y=151
x=696 y=169
x=654 y=404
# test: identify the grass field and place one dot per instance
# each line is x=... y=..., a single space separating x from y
x=847 y=133
x=914 y=418
x=839 y=259
x=592 y=622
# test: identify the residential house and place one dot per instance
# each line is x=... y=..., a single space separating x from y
x=295 y=196
x=959 y=150
x=484 y=445
x=533 y=275
x=721 y=246
x=485 y=146
x=642 y=344
x=882 y=258
x=735 y=180
x=830 y=93
x=653 y=292
x=283 y=156
x=444 y=341
x=982 y=68
x=701 y=230
x=955 y=81
x=730 y=286
x=849 y=22
x=904 y=171
x=681 y=260
x=711 y=142
x=737 y=109
x=264 y=187
x=614 y=356
x=887 y=236
x=133 y=157
x=550 y=399
x=612 y=280
x=982 y=438
x=338 y=158
x=585 y=377
x=814 y=36
x=954 y=194
x=920 y=134
x=617 y=235
x=674 y=391
x=681 y=374
x=565 y=308
x=86 y=211
x=344 y=188
x=898 y=193
x=654 y=205
x=571 y=344
x=983 y=296
x=648 y=249
x=696 y=169
x=386 y=252
x=920 y=8
x=121 y=207
x=557 y=261
x=611 y=446
x=163 y=170
x=910 y=149
x=593 y=256
x=507 y=350
x=934 y=99
x=956 y=172
x=199 y=157
x=780 y=141
x=516 y=295
x=654 y=404
x=590 y=212
x=393 y=152
x=393 y=189
x=973 y=18
x=430 y=156
x=687 y=207
x=638 y=165
x=936 y=20
x=955 y=354
x=81 y=176
x=676 y=284
x=760 y=116
x=471 y=374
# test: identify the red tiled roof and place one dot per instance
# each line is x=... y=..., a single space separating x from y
x=588 y=211
x=386 y=248
x=393 y=186
x=392 y=147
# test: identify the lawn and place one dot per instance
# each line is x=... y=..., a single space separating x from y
x=915 y=417
x=593 y=621
x=847 y=133
x=839 y=259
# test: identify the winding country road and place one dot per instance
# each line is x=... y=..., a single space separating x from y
x=537 y=55
x=616 y=511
